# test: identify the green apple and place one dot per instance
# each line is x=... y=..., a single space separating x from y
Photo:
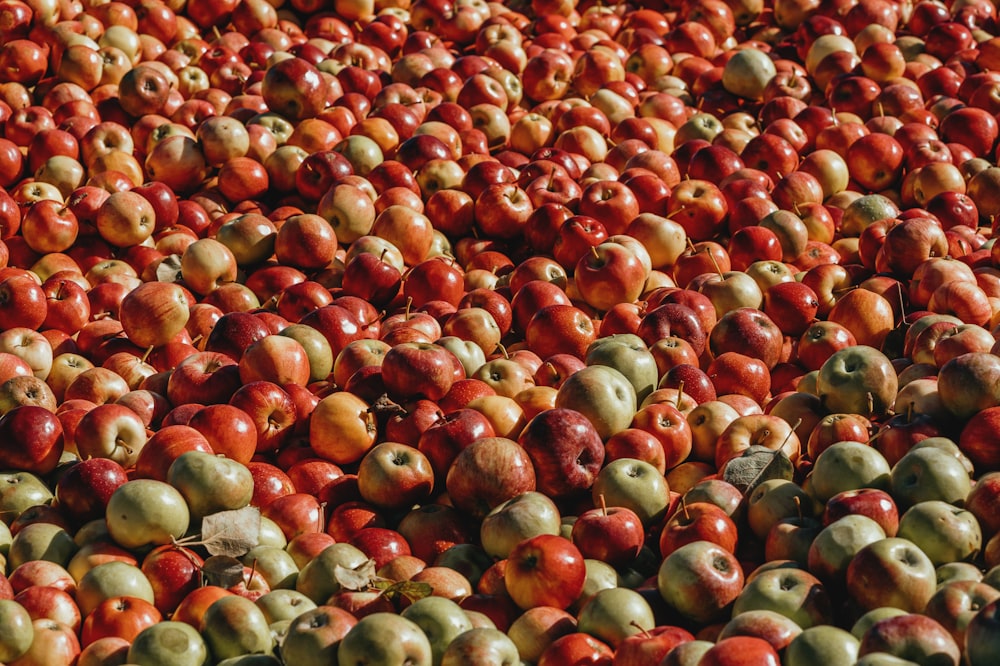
x=824 y=644
x=275 y=564
x=774 y=500
x=283 y=605
x=317 y=579
x=946 y=533
x=441 y=620
x=317 y=349
x=169 y=643
x=469 y=354
x=312 y=638
x=857 y=380
x=599 y=576
x=111 y=579
x=271 y=534
x=41 y=541
x=521 y=517
x=687 y=654
x=794 y=593
x=957 y=571
x=5 y=538
x=948 y=446
x=873 y=617
x=144 y=512
x=633 y=484
x=385 y=639
x=629 y=355
x=929 y=474
x=848 y=466
x=837 y=543
x=883 y=659
x=16 y=631
x=210 y=483
x=615 y=613
x=602 y=394
x=251 y=660
x=482 y=646
x=747 y=73
x=19 y=491
x=233 y=626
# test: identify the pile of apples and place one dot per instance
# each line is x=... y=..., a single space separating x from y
x=440 y=332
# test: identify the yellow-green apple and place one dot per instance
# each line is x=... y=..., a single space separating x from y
x=792 y=592
x=523 y=516
x=929 y=473
x=146 y=512
x=834 y=547
x=859 y=380
x=385 y=636
x=602 y=394
x=633 y=484
x=848 y=466
x=945 y=533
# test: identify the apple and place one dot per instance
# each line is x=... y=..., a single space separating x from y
x=545 y=570
x=385 y=636
x=146 y=512
x=700 y=580
x=488 y=472
x=186 y=645
x=964 y=538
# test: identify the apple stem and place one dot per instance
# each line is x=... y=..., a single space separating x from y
x=321 y=519
x=680 y=393
x=790 y=433
x=871 y=402
x=148 y=351
x=642 y=630
x=253 y=570
x=798 y=505
x=603 y=503
x=409 y=304
x=715 y=263
x=503 y=350
x=594 y=253
x=684 y=508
